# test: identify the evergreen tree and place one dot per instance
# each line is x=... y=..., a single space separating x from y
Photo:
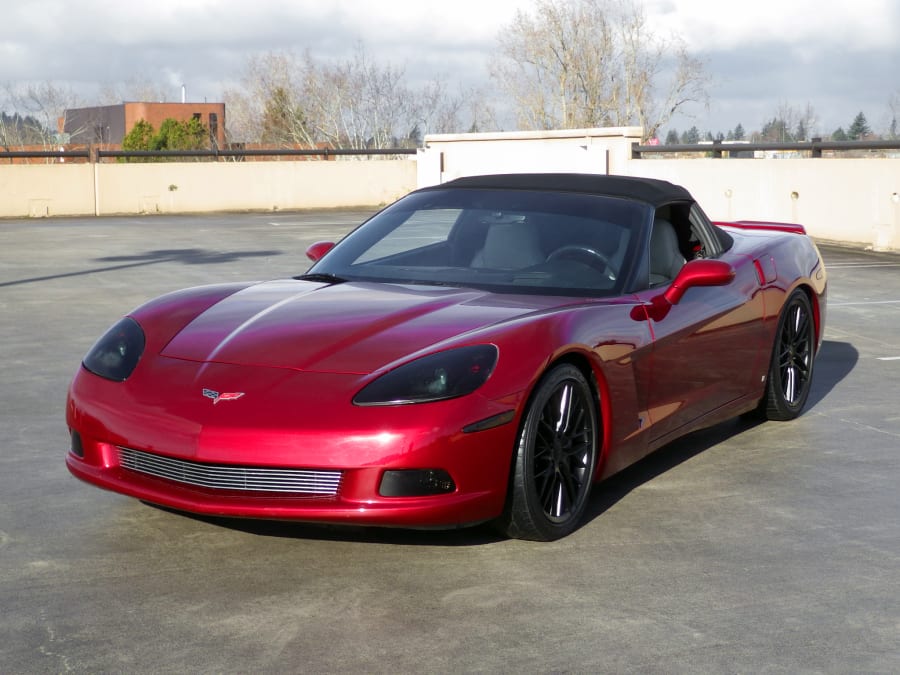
x=859 y=129
x=414 y=137
x=173 y=134
x=139 y=138
x=739 y=133
x=691 y=136
x=18 y=130
x=776 y=131
x=282 y=123
x=672 y=137
x=839 y=134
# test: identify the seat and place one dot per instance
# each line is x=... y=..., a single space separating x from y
x=510 y=246
x=666 y=258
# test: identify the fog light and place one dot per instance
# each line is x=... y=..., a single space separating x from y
x=76 y=448
x=416 y=483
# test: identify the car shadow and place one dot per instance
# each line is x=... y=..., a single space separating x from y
x=462 y=536
x=187 y=256
x=615 y=488
x=834 y=362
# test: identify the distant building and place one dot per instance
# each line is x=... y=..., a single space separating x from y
x=109 y=124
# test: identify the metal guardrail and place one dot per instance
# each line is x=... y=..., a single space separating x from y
x=45 y=154
x=215 y=154
x=716 y=149
x=98 y=154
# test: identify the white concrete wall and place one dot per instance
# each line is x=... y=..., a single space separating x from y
x=37 y=190
x=166 y=187
x=190 y=187
x=854 y=201
x=449 y=156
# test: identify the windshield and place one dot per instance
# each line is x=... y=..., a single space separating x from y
x=509 y=241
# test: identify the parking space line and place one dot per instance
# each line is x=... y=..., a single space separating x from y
x=866 y=302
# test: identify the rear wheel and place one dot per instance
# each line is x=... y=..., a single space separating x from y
x=791 y=368
x=556 y=456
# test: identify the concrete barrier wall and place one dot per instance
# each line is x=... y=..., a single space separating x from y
x=46 y=190
x=449 y=156
x=192 y=187
x=855 y=201
x=234 y=186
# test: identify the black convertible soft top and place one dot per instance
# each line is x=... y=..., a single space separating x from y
x=650 y=190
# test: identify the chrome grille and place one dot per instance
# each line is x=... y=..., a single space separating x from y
x=229 y=477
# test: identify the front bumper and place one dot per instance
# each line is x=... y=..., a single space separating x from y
x=358 y=444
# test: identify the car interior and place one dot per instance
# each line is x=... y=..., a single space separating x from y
x=517 y=246
x=680 y=233
x=666 y=257
x=495 y=240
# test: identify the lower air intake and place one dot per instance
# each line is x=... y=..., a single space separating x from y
x=230 y=477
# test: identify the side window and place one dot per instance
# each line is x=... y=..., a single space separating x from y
x=705 y=239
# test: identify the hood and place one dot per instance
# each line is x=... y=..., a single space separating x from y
x=352 y=327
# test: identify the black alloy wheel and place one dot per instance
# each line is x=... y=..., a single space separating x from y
x=556 y=458
x=791 y=368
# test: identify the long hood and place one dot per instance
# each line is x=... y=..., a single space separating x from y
x=343 y=328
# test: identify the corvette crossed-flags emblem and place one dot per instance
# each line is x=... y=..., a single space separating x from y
x=215 y=396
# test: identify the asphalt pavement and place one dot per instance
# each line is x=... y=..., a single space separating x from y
x=745 y=548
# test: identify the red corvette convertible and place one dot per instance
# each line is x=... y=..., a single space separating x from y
x=483 y=350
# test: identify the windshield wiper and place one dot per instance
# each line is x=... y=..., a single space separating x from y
x=323 y=277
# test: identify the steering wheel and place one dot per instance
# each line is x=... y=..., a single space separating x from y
x=587 y=255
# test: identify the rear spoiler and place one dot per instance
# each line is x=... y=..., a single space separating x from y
x=793 y=228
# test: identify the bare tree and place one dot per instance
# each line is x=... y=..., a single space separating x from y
x=269 y=105
x=587 y=63
x=789 y=124
x=352 y=103
x=44 y=104
x=893 y=114
x=17 y=131
x=135 y=88
x=356 y=102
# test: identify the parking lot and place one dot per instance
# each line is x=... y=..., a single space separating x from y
x=743 y=548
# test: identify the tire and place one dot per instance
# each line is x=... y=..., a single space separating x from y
x=791 y=367
x=556 y=458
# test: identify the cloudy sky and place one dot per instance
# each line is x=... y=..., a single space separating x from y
x=841 y=58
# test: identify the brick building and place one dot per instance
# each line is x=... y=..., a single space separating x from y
x=109 y=124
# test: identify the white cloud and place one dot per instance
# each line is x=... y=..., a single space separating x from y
x=710 y=25
x=761 y=53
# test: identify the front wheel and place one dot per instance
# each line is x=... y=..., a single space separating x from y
x=556 y=457
x=790 y=371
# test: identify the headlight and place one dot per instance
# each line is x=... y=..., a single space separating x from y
x=455 y=372
x=115 y=355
